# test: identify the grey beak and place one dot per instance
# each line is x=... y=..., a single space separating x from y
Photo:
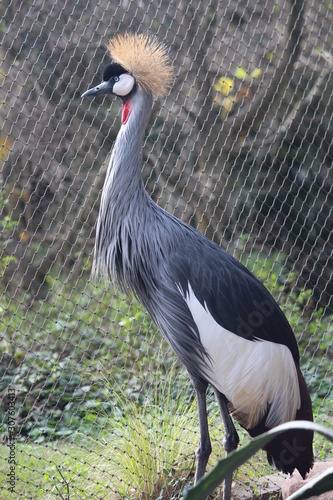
x=103 y=88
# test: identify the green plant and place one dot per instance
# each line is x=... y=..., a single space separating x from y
x=58 y=354
x=150 y=448
x=57 y=470
x=7 y=226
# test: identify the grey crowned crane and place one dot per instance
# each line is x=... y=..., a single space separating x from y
x=222 y=323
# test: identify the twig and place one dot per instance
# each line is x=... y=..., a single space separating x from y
x=67 y=485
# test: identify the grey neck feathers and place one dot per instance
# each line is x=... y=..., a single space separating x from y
x=125 y=205
x=136 y=239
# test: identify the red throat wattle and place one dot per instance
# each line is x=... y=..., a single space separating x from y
x=126 y=111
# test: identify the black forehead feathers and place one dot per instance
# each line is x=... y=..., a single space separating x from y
x=112 y=70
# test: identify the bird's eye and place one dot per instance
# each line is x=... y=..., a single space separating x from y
x=116 y=79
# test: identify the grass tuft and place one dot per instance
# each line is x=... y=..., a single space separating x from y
x=151 y=449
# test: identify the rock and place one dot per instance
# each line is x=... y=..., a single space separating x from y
x=295 y=482
x=267 y=488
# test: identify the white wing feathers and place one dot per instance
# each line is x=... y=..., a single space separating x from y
x=251 y=374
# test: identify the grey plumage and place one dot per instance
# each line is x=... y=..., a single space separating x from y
x=136 y=239
x=220 y=320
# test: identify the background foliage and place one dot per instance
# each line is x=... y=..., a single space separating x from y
x=241 y=149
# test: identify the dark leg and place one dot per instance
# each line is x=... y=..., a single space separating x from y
x=230 y=440
x=204 y=450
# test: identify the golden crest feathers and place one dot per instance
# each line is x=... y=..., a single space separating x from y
x=146 y=59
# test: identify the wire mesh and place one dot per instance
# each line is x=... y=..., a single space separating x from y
x=94 y=403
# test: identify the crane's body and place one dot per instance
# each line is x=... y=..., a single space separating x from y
x=220 y=320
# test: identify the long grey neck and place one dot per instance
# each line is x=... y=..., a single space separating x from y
x=124 y=201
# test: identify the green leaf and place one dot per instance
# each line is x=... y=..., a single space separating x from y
x=224 y=85
x=238 y=457
x=241 y=74
x=256 y=73
x=316 y=487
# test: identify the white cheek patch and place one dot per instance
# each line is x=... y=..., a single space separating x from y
x=124 y=85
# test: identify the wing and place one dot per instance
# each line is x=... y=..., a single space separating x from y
x=233 y=296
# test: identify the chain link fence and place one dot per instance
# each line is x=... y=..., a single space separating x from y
x=93 y=401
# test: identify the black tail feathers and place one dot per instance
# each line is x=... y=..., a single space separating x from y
x=290 y=451
x=293 y=449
